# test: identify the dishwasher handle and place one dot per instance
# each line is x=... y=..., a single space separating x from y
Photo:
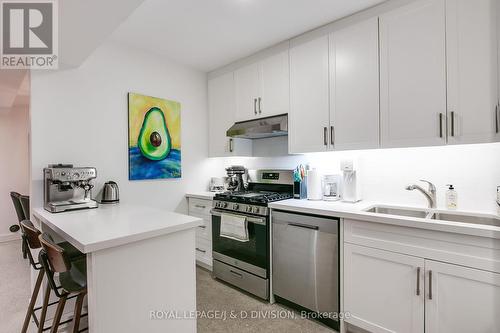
x=312 y=227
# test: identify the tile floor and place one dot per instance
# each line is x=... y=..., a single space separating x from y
x=213 y=295
x=14 y=287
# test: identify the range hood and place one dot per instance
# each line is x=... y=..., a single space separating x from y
x=260 y=128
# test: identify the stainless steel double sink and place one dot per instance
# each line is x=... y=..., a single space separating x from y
x=435 y=215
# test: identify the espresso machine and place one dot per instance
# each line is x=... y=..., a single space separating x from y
x=68 y=188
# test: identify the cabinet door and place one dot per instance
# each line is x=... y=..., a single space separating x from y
x=247 y=81
x=471 y=39
x=275 y=85
x=461 y=299
x=221 y=111
x=383 y=291
x=354 y=83
x=309 y=100
x=413 y=75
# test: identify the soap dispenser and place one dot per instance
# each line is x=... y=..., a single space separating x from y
x=451 y=197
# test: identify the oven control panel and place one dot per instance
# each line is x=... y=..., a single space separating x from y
x=241 y=208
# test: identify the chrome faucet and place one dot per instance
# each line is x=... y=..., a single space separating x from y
x=430 y=194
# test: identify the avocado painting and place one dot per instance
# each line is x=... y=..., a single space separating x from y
x=154 y=138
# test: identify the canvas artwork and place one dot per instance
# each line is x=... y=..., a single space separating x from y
x=154 y=137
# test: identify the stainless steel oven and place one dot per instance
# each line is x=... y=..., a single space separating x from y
x=243 y=264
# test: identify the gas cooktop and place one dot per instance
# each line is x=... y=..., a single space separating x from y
x=253 y=197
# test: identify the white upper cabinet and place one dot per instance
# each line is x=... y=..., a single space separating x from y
x=262 y=88
x=413 y=75
x=471 y=40
x=275 y=85
x=354 y=84
x=247 y=81
x=461 y=299
x=221 y=116
x=309 y=97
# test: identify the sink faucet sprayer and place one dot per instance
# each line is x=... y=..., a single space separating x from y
x=430 y=194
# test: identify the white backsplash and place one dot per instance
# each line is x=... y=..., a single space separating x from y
x=474 y=170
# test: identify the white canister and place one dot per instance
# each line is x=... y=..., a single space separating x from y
x=314 y=190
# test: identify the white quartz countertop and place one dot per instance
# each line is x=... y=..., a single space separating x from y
x=356 y=211
x=108 y=226
x=206 y=195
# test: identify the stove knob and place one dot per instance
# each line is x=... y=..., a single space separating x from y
x=217 y=204
x=256 y=210
x=249 y=209
x=235 y=206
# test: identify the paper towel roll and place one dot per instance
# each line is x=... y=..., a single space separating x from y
x=314 y=191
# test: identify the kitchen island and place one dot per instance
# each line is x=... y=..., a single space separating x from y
x=140 y=262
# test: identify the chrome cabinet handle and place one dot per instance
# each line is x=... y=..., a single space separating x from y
x=236 y=273
x=440 y=125
x=231 y=145
x=496 y=118
x=255 y=105
x=430 y=285
x=325 y=136
x=202 y=226
x=312 y=227
x=200 y=206
x=260 y=110
x=418 y=281
x=200 y=250
x=332 y=135
x=452 y=123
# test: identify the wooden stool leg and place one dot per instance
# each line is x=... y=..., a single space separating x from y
x=59 y=312
x=78 y=311
x=34 y=296
x=45 y=305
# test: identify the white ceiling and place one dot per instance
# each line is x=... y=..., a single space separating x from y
x=85 y=24
x=207 y=34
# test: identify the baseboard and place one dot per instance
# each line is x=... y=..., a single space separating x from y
x=204 y=265
x=9 y=237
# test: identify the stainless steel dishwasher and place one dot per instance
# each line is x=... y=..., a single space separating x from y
x=305 y=266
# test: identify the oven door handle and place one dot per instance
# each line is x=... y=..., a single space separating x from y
x=250 y=218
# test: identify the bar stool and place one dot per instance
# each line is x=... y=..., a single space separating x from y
x=16 y=200
x=25 y=204
x=72 y=277
x=31 y=241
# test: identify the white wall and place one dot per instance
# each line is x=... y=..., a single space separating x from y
x=80 y=116
x=14 y=165
x=473 y=169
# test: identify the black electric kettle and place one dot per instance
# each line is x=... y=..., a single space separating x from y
x=110 y=193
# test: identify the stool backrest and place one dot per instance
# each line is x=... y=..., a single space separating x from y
x=31 y=234
x=55 y=254
x=16 y=199
x=25 y=204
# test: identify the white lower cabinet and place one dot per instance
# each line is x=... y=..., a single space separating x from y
x=201 y=208
x=386 y=292
x=381 y=290
x=461 y=299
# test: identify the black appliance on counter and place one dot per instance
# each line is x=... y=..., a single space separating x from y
x=245 y=264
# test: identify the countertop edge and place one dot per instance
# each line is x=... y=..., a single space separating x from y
x=420 y=223
x=63 y=234
x=201 y=195
x=102 y=245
